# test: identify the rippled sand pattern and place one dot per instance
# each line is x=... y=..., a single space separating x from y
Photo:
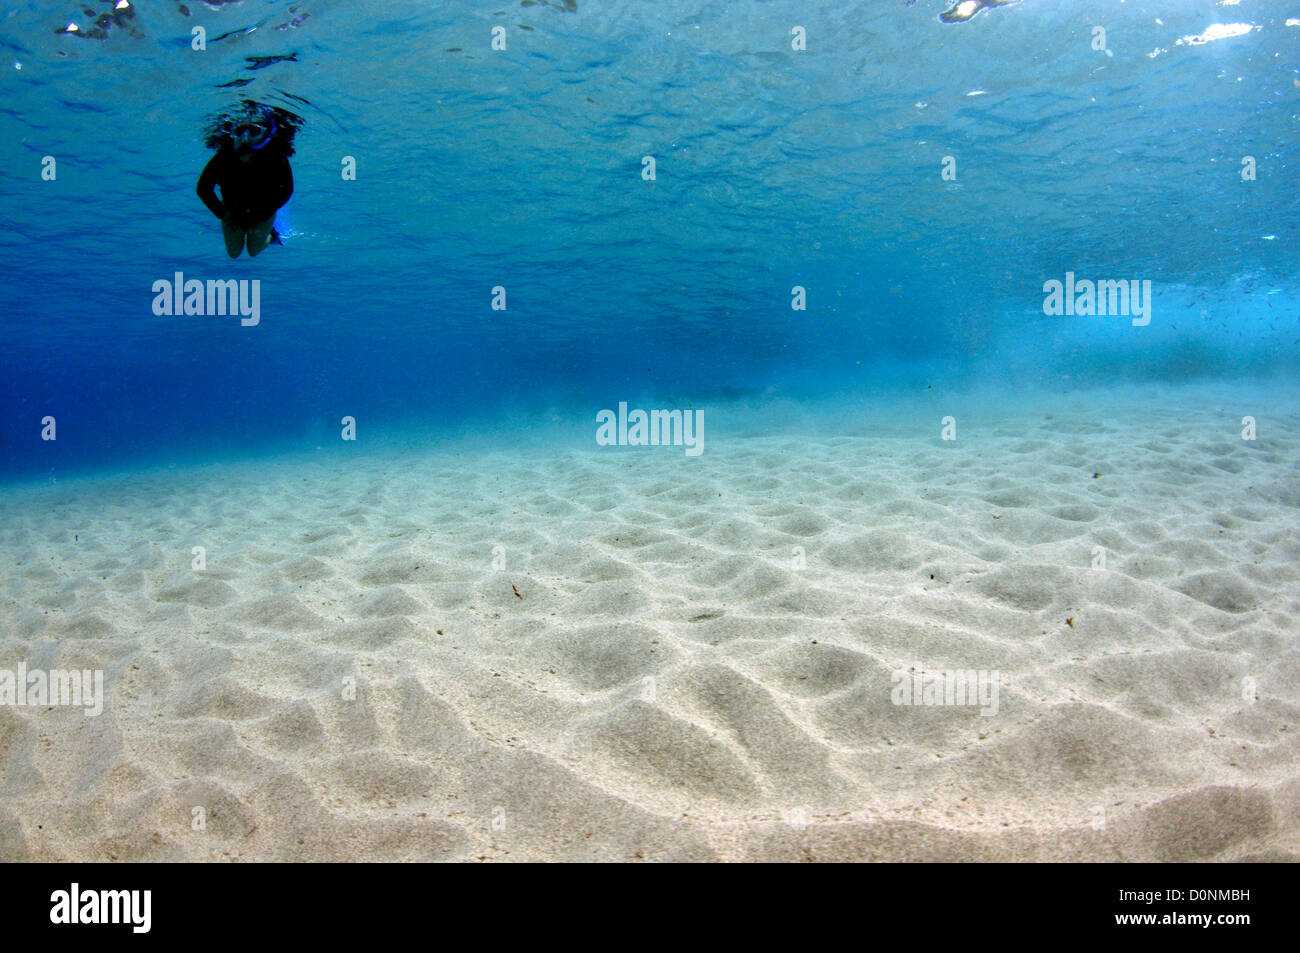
x=668 y=684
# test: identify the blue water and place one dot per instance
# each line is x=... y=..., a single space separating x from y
x=522 y=168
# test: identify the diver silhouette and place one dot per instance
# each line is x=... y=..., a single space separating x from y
x=251 y=168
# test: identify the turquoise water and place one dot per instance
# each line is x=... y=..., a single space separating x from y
x=524 y=169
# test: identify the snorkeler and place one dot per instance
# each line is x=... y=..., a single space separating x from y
x=252 y=170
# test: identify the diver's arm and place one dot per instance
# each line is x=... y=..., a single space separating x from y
x=207 y=187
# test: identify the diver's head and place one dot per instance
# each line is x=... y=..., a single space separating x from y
x=248 y=137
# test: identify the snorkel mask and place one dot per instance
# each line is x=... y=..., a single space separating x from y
x=253 y=135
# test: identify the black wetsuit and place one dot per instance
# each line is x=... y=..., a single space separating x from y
x=251 y=192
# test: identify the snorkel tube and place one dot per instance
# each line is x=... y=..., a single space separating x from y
x=271 y=130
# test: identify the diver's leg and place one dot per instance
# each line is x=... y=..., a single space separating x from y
x=259 y=236
x=234 y=236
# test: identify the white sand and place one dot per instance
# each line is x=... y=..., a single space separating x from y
x=669 y=686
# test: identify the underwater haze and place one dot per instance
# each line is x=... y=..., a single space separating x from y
x=679 y=431
x=522 y=168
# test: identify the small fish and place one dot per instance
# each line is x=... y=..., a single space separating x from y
x=965 y=9
x=243 y=31
x=262 y=62
x=296 y=21
x=1070 y=622
x=517 y=595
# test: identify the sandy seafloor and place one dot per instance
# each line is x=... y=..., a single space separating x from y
x=668 y=685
